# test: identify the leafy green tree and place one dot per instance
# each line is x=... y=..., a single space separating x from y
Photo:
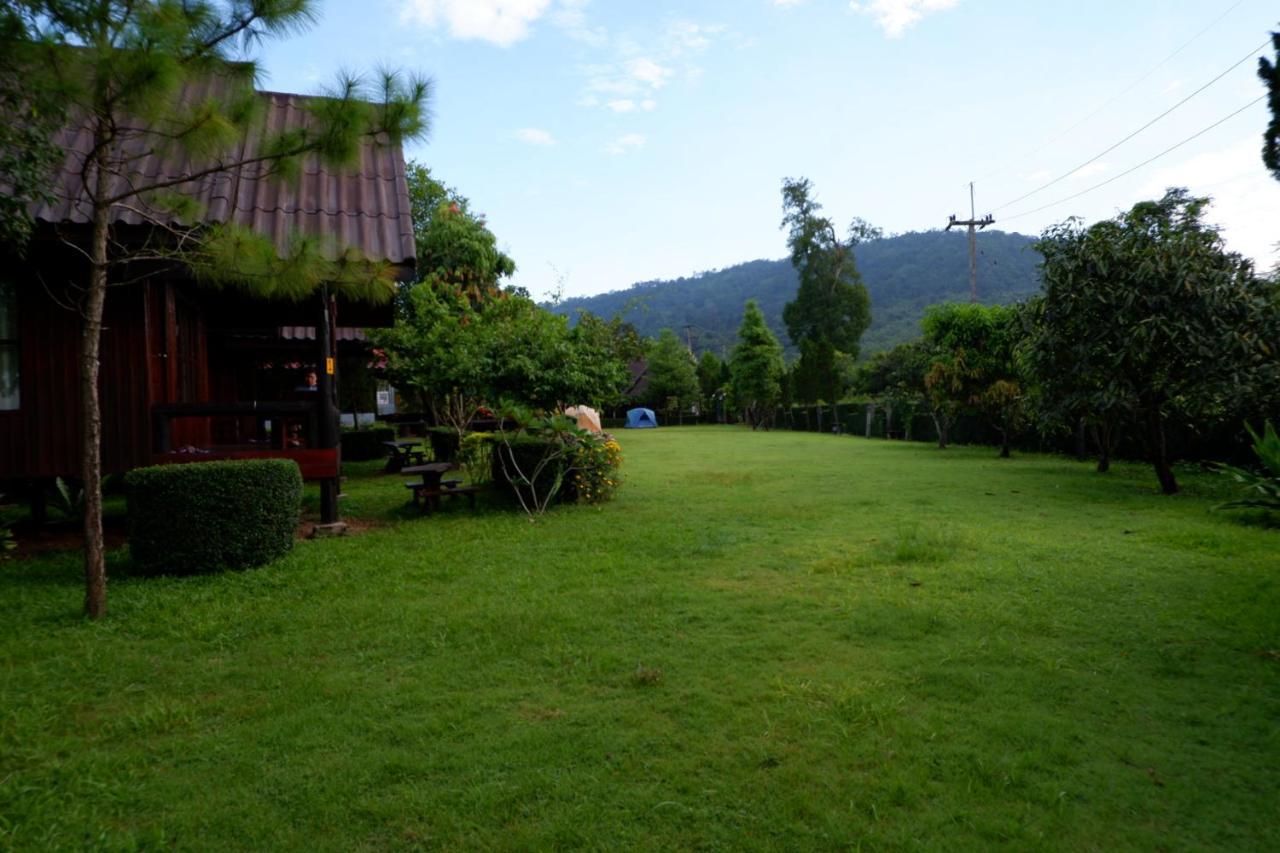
x=894 y=380
x=973 y=365
x=120 y=70
x=831 y=309
x=31 y=111
x=673 y=376
x=711 y=374
x=605 y=348
x=1158 y=319
x=457 y=356
x=457 y=250
x=756 y=369
x=1269 y=72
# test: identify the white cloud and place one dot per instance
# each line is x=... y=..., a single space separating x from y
x=571 y=17
x=896 y=16
x=535 y=136
x=638 y=70
x=502 y=22
x=648 y=72
x=1246 y=201
x=623 y=144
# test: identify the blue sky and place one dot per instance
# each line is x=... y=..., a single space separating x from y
x=610 y=142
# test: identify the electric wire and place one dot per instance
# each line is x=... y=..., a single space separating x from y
x=1117 y=96
x=1133 y=169
x=1248 y=56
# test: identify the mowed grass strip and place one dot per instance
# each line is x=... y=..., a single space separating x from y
x=769 y=641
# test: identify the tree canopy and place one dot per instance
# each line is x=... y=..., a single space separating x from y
x=756 y=368
x=1156 y=318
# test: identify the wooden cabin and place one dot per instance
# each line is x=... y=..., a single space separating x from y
x=190 y=373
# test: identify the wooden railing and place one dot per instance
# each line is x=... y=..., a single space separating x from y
x=316 y=463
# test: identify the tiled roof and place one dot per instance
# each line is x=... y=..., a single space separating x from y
x=365 y=207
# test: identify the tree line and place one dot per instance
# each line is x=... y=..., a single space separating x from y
x=1144 y=322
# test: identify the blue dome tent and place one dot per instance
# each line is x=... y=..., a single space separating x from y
x=641 y=419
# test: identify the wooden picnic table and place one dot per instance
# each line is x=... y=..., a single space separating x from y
x=402 y=453
x=433 y=486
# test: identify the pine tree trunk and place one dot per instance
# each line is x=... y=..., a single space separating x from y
x=95 y=568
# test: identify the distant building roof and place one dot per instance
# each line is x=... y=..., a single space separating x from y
x=365 y=207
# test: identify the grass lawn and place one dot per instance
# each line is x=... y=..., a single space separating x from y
x=772 y=641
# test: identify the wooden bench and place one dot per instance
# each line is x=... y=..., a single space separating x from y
x=430 y=497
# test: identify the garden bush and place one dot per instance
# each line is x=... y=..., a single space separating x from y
x=475 y=455
x=594 y=477
x=212 y=516
x=530 y=467
x=363 y=445
x=445 y=442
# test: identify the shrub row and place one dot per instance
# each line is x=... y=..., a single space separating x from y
x=365 y=444
x=211 y=516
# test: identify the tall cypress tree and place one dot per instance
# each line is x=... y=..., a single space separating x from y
x=756 y=368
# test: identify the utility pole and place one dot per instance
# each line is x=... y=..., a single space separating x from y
x=688 y=336
x=975 y=225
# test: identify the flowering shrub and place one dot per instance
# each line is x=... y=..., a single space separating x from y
x=594 y=476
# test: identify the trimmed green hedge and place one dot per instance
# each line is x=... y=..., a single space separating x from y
x=211 y=516
x=525 y=454
x=365 y=444
x=445 y=442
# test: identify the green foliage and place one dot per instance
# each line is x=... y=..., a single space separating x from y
x=365 y=444
x=1147 y=317
x=1262 y=486
x=67 y=498
x=603 y=349
x=534 y=459
x=31 y=111
x=1269 y=72
x=903 y=275
x=594 y=477
x=672 y=372
x=457 y=251
x=831 y=304
x=713 y=374
x=211 y=516
x=756 y=369
x=972 y=363
x=445 y=443
x=475 y=456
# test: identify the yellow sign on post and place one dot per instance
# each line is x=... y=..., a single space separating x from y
x=328 y=366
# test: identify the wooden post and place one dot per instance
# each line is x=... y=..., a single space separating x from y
x=974 y=224
x=328 y=413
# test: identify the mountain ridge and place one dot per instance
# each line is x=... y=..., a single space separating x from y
x=904 y=274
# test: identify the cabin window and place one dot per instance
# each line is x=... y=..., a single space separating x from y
x=9 y=374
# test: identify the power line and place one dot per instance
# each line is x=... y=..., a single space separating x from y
x=1250 y=55
x=1146 y=162
x=1118 y=95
